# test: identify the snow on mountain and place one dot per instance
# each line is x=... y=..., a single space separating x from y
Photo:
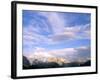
x=42 y=56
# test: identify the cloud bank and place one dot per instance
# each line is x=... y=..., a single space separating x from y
x=70 y=54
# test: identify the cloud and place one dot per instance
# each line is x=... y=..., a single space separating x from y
x=62 y=52
x=71 y=54
x=53 y=25
x=40 y=52
x=48 y=29
x=84 y=53
x=72 y=33
x=63 y=32
x=55 y=20
x=30 y=35
x=32 y=39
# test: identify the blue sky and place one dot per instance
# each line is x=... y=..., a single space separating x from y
x=54 y=31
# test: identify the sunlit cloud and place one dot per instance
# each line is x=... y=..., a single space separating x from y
x=70 y=54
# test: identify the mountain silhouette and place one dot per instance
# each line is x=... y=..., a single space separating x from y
x=26 y=62
x=40 y=62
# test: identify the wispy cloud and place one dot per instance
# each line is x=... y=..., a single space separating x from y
x=55 y=20
x=60 y=32
x=49 y=28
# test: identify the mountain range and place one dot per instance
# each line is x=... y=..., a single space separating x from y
x=40 y=61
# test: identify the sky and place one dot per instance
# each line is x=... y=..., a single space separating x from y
x=59 y=34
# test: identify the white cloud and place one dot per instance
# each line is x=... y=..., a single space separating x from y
x=41 y=52
x=32 y=33
x=60 y=32
x=30 y=36
x=55 y=20
x=65 y=53
x=70 y=54
x=66 y=35
x=73 y=54
x=72 y=33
